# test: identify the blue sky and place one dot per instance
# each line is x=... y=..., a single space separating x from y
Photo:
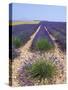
x=38 y=12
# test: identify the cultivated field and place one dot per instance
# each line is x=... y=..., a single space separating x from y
x=38 y=53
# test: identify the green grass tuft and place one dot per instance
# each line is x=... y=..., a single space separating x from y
x=17 y=42
x=42 y=69
x=43 y=45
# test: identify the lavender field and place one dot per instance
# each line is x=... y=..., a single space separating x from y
x=37 y=44
x=56 y=29
x=44 y=41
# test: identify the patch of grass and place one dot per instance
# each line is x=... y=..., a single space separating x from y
x=43 y=45
x=42 y=69
x=24 y=22
x=17 y=42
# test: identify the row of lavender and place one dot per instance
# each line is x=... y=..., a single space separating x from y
x=42 y=34
x=24 y=31
x=58 y=30
x=21 y=34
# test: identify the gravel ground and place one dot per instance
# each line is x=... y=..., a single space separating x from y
x=21 y=78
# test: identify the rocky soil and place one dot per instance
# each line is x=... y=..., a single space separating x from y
x=19 y=76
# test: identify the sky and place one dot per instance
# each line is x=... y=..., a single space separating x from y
x=38 y=12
